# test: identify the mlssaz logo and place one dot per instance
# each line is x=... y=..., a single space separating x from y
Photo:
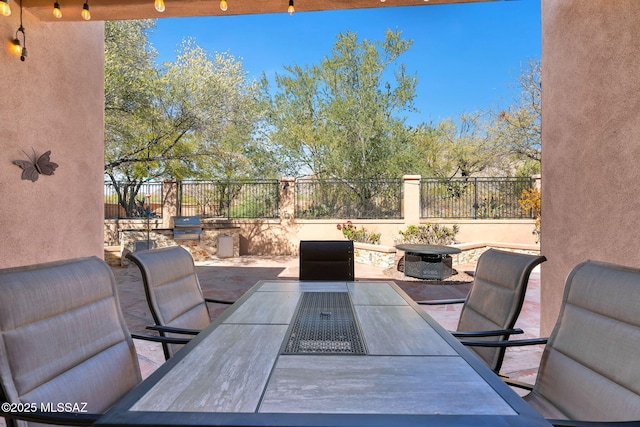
x=79 y=407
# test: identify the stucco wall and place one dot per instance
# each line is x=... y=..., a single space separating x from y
x=282 y=238
x=591 y=139
x=52 y=101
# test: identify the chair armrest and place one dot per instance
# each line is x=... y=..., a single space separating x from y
x=158 y=338
x=441 y=301
x=518 y=384
x=576 y=423
x=218 y=301
x=173 y=330
x=55 y=418
x=478 y=334
x=511 y=343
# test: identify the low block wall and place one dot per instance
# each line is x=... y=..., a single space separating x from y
x=472 y=251
x=380 y=256
x=387 y=256
x=282 y=237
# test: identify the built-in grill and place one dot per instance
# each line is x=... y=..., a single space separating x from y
x=186 y=228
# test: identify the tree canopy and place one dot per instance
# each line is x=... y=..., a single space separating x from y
x=201 y=116
x=195 y=117
x=342 y=117
x=518 y=128
x=191 y=118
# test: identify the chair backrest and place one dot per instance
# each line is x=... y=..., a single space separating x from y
x=173 y=290
x=326 y=260
x=496 y=298
x=63 y=336
x=590 y=368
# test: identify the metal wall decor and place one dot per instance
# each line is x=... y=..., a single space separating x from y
x=36 y=166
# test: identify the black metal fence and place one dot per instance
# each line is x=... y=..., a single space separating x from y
x=229 y=199
x=133 y=199
x=474 y=198
x=356 y=199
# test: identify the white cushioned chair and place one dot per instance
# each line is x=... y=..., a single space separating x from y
x=173 y=293
x=493 y=304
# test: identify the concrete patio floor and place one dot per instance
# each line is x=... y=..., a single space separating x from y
x=230 y=278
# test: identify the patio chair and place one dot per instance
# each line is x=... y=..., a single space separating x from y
x=326 y=260
x=589 y=373
x=63 y=339
x=173 y=293
x=494 y=302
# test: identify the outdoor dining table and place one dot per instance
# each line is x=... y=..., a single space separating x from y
x=295 y=353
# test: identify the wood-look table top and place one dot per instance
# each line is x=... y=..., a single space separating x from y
x=233 y=373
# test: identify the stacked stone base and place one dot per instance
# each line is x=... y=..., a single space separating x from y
x=203 y=249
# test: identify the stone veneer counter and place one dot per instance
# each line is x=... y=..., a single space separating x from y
x=206 y=248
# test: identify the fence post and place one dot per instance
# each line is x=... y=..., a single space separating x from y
x=169 y=201
x=287 y=198
x=537 y=181
x=476 y=206
x=411 y=199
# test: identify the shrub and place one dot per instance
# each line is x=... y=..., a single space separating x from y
x=428 y=234
x=530 y=200
x=358 y=235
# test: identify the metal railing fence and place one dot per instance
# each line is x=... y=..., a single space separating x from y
x=473 y=198
x=229 y=199
x=132 y=199
x=348 y=198
x=463 y=198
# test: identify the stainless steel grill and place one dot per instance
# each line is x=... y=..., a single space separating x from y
x=186 y=228
x=325 y=323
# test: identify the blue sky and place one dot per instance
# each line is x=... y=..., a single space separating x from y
x=467 y=56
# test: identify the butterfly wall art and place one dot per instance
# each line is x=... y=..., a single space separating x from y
x=36 y=166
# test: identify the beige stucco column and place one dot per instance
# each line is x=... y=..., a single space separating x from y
x=537 y=181
x=590 y=139
x=411 y=204
x=287 y=199
x=52 y=101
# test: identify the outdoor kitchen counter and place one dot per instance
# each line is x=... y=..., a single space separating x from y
x=212 y=243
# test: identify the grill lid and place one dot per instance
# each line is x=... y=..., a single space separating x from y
x=186 y=221
x=186 y=228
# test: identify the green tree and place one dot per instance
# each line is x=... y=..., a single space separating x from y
x=518 y=128
x=453 y=148
x=193 y=118
x=425 y=152
x=225 y=110
x=131 y=86
x=341 y=118
x=466 y=149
